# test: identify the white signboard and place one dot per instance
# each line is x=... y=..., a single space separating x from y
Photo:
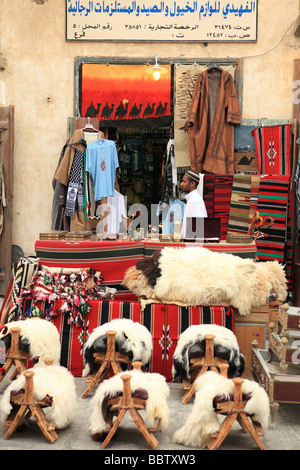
x=167 y=20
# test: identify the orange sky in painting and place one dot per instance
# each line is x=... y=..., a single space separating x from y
x=110 y=85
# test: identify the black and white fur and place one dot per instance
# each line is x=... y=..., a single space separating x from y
x=132 y=339
x=191 y=343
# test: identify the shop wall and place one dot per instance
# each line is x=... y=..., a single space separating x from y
x=38 y=80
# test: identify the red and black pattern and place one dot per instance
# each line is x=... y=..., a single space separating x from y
x=165 y=323
x=222 y=198
x=273 y=149
x=273 y=200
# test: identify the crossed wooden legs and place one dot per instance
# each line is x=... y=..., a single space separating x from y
x=235 y=411
x=110 y=360
x=25 y=405
x=14 y=356
x=200 y=365
x=128 y=403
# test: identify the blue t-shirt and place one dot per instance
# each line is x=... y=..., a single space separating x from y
x=102 y=162
x=173 y=209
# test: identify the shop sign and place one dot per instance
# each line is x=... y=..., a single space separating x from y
x=167 y=20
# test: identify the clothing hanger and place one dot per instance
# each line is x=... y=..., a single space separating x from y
x=214 y=66
x=90 y=127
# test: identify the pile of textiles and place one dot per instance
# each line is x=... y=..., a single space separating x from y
x=75 y=287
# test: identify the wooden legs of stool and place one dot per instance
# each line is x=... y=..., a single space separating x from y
x=234 y=411
x=127 y=403
x=201 y=365
x=29 y=406
x=109 y=360
x=14 y=356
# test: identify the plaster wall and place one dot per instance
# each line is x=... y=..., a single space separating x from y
x=38 y=80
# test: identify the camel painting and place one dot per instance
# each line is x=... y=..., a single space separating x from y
x=126 y=92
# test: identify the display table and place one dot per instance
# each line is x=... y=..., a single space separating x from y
x=165 y=322
x=114 y=257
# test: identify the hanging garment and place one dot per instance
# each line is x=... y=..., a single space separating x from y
x=63 y=171
x=273 y=201
x=297 y=196
x=170 y=212
x=62 y=175
x=273 y=149
x=240 y=204
x=213 y=113
x=116 y=211
x=75 y=187
x=58 y=219
x=101 y=163
x=169 y=189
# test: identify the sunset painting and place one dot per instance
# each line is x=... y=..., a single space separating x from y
x=124 y=93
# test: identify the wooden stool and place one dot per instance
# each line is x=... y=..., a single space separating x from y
x=128 y=403
x=235 y=411
x=14 y=356
x=25 y=405
x=110 y=360
x=200 y=365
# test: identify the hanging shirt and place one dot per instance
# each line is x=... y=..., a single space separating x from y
x=169 y=214
x=116 y=211
x=102 y=162
x=195 y=207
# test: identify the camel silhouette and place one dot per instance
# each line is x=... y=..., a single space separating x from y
x=92 y=111
x=107 y=111
x=245 y=160
x=121 y=111
x=135 y=111
x=160 y=110
x=148 y=111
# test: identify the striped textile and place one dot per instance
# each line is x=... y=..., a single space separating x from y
x=208 y=194
x=240 y=204
x=23 y=272
x=165 y=323
x=273 y=149
x=255 y=182
x=273 y=202
x=222 y=197
x=111 y=258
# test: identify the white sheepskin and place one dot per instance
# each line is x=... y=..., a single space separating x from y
x=156 y=405
x=194 y=333
x=55 y=381
x=139 y=339
x=197 y=276
x=203 y=420
x=42 y=335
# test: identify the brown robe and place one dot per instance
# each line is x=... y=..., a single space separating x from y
x=213 y=113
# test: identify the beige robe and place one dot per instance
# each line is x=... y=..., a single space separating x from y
x=213 y=113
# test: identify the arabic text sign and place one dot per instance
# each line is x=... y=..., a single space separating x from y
x=168 y=20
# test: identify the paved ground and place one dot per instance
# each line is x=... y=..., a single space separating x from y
x=285 y=436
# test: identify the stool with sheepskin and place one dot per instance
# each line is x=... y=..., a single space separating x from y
x=25 y=405
x=200 y=365
x=110 y=360
x=127 y=402
x=15 y=356
x=234 y=409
